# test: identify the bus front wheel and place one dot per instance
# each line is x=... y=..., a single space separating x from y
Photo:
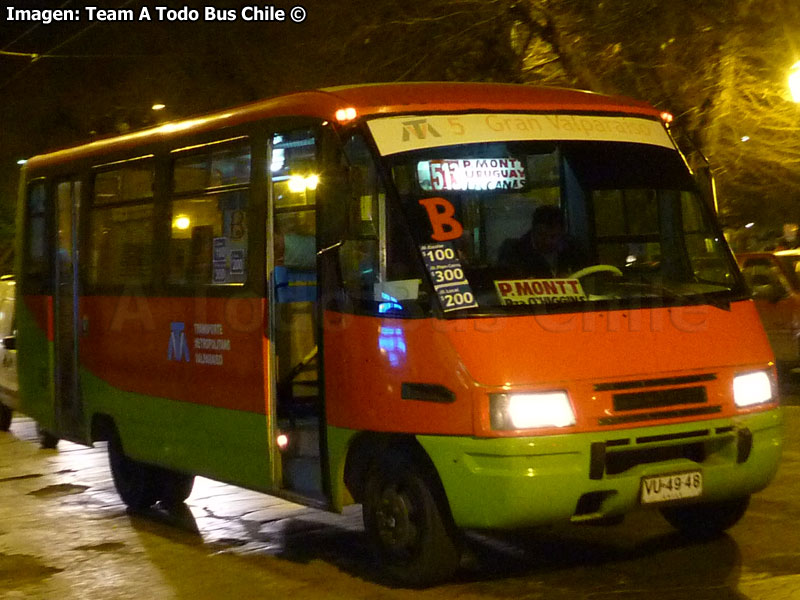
x=707 y=519
x=408 y=522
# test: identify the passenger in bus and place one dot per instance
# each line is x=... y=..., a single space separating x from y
x=545 y=250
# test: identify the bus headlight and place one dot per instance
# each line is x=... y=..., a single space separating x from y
x=752 y=388
x=531 y=410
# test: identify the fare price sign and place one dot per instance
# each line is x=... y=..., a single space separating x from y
x=448 y=277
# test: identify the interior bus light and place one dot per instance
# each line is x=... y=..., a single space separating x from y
x=346 y=114
x=278 y=160
x=299 y=183
x=182 y=222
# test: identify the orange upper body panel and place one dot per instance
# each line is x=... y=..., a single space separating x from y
x=544 y=350
x=368 y=360
x=425 y=375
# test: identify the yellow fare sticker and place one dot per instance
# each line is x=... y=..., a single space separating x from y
x=539 y=291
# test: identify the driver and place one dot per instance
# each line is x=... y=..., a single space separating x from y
x=545 y=250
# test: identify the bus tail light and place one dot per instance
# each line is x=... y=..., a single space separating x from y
x=531 y=410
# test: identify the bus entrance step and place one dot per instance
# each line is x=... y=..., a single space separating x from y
x=302 y=474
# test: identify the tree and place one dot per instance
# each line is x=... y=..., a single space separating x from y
x=718 y=66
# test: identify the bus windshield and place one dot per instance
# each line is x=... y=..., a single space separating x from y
x=515 y=225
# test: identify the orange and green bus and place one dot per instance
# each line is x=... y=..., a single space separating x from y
x=338 y=296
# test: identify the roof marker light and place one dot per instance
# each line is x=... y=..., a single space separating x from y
x=666 y=117
x=345 y=114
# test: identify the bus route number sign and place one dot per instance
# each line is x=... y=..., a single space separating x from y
x=447 y=275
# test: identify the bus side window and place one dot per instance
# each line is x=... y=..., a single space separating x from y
x=35 y=262
x=377 y=259
x=295 y=175
x=210 y=198
x=122 y=238
x=359 y=257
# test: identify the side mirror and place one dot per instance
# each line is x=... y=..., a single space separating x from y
x=10 y=342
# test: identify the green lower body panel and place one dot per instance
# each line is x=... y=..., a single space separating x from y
x=34 y=369
x=226 y=445
x=222 y=444
x=504 y=483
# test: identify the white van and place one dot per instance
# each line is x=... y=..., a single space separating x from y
x=8 y=352
x=8 y=362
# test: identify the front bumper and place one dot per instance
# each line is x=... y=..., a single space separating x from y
x=517 y=482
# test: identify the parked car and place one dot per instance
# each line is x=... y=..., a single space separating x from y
x=8 y=353
x=774 y=278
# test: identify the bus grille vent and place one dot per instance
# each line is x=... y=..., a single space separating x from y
x=659 y=398
x=619 y=462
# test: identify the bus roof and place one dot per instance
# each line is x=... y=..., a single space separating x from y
x=368 y=100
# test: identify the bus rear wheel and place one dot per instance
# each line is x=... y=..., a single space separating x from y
x=5 y=417
x=707 y=519
x=408 y=522
x=47 y=440
x=140 y=485
x=174 y=486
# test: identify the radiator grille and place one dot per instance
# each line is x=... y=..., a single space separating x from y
x=659 y=398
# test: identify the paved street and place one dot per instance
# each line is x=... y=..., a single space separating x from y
x=64 y=534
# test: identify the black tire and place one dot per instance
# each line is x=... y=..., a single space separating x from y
x=174 y=487
x=137 y=483
x=708 y=519
x=47 y=440
x=408 y=521
x=5 y=417
x=140 y=485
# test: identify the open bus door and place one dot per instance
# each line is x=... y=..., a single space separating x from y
x=68 y=407
x=293 y=309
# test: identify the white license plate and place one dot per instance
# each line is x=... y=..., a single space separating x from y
x=675 y=486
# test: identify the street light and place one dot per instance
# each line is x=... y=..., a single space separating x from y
x=794 y=81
